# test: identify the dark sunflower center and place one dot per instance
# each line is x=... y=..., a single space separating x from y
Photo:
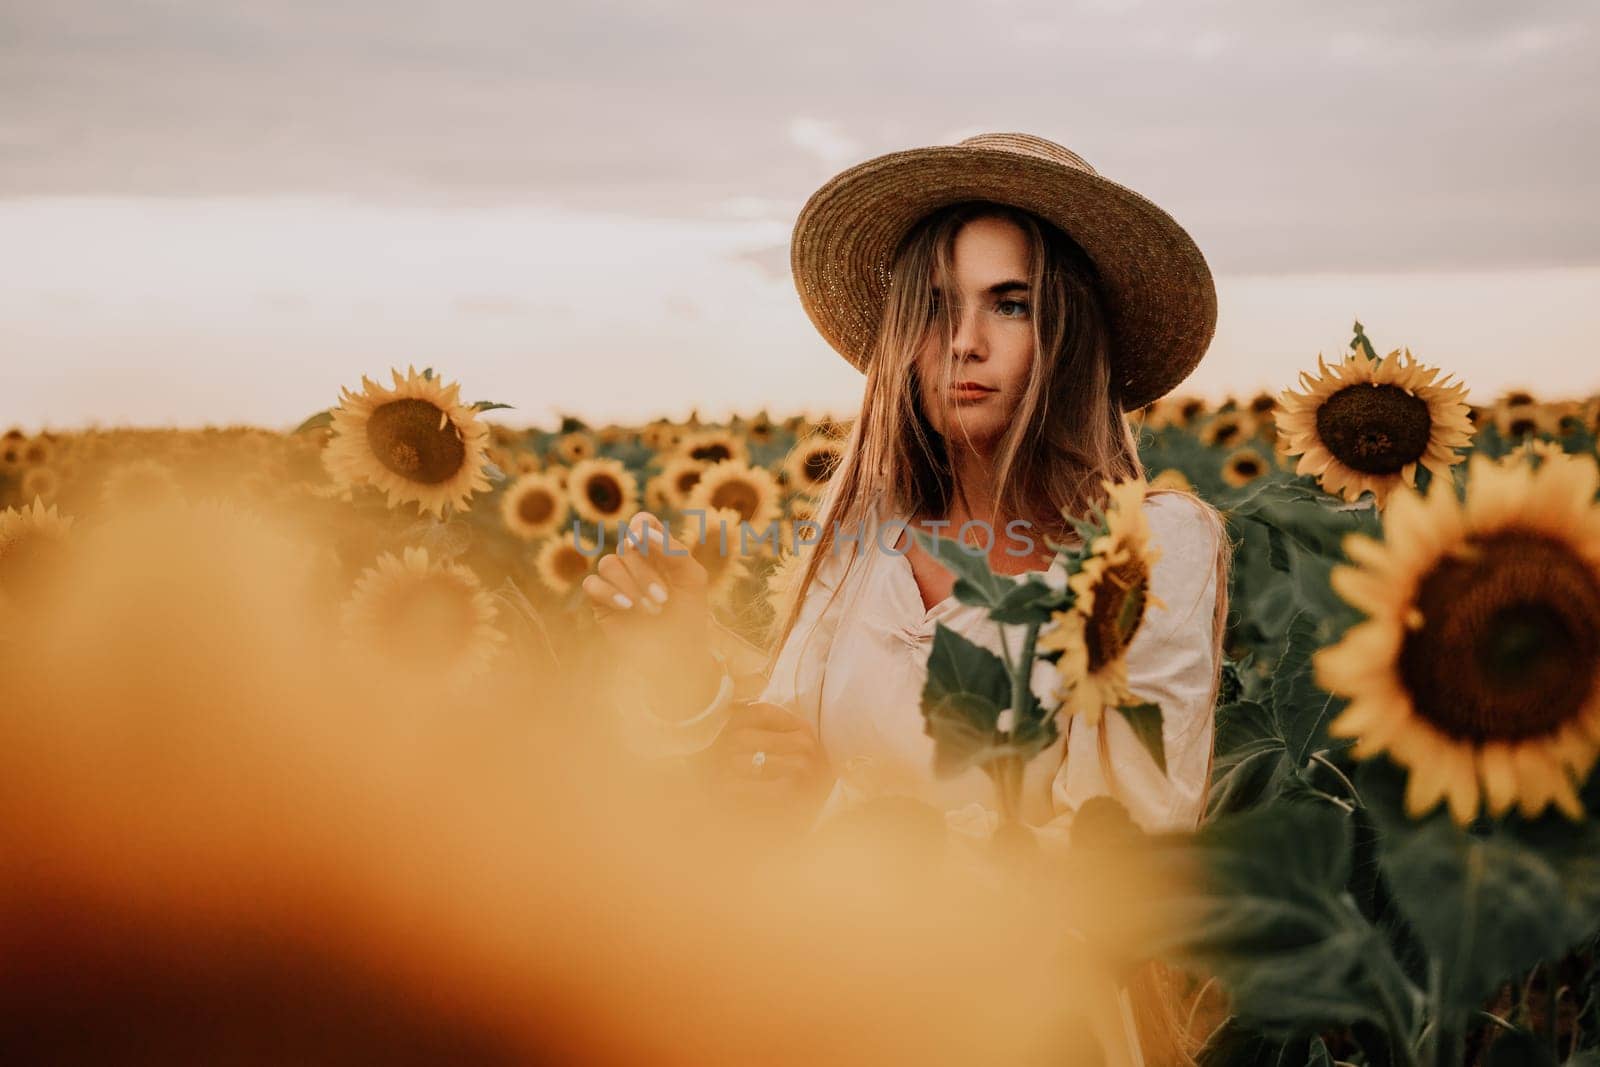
x=737 y=496
x=711 y=452
x=1375 y=429
x=406 y=437
x=1522 y=426
x=819 y=464
x=1246 y=467
x=1119 y=599
x=604 y=493
x=1191 y=410
x=1510 y=642
x=572 y=565
x=686 y=480
x=535 y=506
x=428 y=620
x=1225 y=433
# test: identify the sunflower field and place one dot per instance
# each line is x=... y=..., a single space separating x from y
x=1400 y=861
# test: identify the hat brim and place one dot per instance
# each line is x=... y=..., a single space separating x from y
x=1160 y=298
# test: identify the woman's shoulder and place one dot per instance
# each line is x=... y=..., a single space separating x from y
x=1182 y=520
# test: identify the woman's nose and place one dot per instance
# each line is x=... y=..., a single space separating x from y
x=968 y=341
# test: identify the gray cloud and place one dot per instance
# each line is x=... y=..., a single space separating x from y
x=1286 y=137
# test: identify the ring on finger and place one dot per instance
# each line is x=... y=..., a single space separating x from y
x=758 y=763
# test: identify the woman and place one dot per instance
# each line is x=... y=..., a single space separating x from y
x=1007 y=305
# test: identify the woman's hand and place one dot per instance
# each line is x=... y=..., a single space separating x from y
x=770 y=755
x=651 y=603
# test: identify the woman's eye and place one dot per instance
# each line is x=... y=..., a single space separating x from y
x=1012 y=309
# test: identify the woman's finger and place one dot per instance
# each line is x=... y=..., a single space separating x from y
x=643 y=567
x=613 y=571
x=605 y=598
x=670 y=556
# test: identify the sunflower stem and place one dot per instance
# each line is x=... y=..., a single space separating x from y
x=1444 y=1044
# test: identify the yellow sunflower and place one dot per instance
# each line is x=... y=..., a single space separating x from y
x=524 y=462
x=37 y=451
x=760 y=429
x=575 y=447
x=828 y=426
x=40 y=482
x=714 y=540
x=413 y=614
x=561 y=564
x=534 y=506
x=1478 y=665
x=801 y=507
x=1170 y=478
x=1111 y=596
x=752 y=492
x=416 y=442
x=1516 y=421
x=1535 y=450
x=1244 y=467
x=679 y=477
x=1173 y=411
x=657 y=495
x=1263 y=405
x=713 y=446
x=603 y=491
x=812 y=462
x=661 y=436
x=1364 y=424
x=783 y=583
x=1227 y=429
x=32 y=545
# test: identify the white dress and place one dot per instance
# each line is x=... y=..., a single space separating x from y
x=855 y=672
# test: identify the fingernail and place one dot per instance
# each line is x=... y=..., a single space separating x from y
x=621 y=601
x=659 y=593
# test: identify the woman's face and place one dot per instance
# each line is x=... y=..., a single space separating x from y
x=993 y=345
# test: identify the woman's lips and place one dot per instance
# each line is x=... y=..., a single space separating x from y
x=969 y=392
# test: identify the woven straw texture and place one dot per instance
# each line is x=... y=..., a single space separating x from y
x=1158 y=290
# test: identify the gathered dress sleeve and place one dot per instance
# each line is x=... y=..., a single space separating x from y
x=795 y=681
x=1172 y=661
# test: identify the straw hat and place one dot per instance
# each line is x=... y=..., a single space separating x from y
x=1161 y=301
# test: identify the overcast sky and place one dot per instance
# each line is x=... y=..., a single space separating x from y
x=213 y=211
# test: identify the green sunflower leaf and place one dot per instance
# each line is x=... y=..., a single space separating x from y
x=975 y=582
x=1031 y=601
x=1271 y=918
x=316 y=422
x=1146 y=722
x=1301 y=708
x=1489 y=901
x=966 y=689
x=489 y=405
x=1251 y=764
